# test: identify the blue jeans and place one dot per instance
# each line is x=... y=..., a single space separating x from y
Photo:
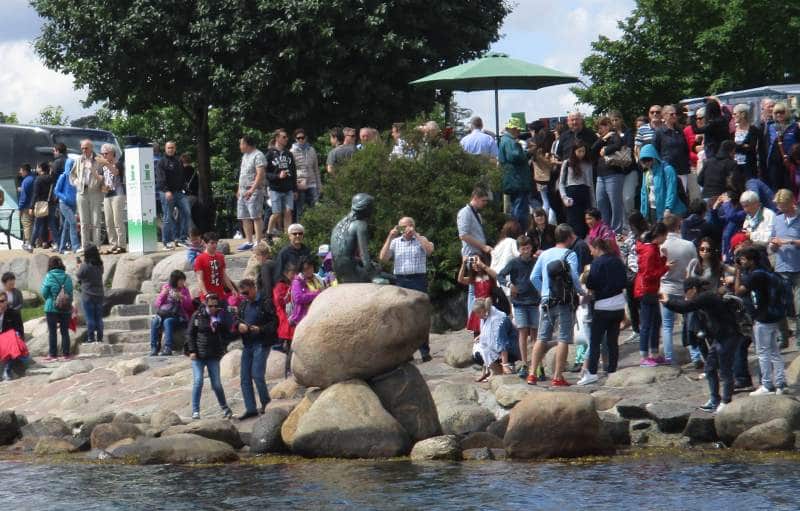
x=60 y=321
x=197 y=382
x=168 y=325
x=770 y=361
x=417 y=282
x=609 y=200
x=521 y=208
x=68 y=228
x=649 y=321
x=305 y=199
x=667 y=328
x=180 y=200
x=93 y=310
x=254 y=367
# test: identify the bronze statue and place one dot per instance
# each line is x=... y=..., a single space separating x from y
x=350 y=243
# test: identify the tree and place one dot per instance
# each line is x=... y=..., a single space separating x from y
x=267 y=62
x=673 y=49
x=51 y=116
x=9 y=118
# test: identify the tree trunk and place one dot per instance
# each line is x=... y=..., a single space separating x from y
x=205 y=198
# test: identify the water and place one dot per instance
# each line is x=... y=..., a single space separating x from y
x=702 y=482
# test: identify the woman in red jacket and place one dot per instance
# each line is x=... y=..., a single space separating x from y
x=652 y=265
x=282 y=300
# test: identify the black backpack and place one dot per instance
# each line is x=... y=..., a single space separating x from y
x=743 y=324
x=682 y=196
x=562 y=289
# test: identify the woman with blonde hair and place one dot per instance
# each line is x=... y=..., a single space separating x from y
x=496 y=337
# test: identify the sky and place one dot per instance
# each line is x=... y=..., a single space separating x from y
x=555 y=34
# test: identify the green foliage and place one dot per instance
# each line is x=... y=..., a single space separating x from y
x=51 y=116
x=32 y=312
x=430 y=188
x=674 y=49
x=9 y=118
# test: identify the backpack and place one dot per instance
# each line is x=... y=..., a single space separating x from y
x=780 y=296
x=735 y=306
x=170 y=308
x=63 y=301
x=562 y=289
x=682 y=196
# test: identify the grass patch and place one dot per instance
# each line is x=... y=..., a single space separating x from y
x=32 y=312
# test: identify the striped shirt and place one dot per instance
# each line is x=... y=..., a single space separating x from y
x=409 y=256
x=644 y=135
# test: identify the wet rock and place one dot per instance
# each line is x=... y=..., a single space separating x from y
x=700 y=427
x=47 y=426
x=230 y=365
x=632 y=408
x=287 y=389
x=215 y=429
x=670 y=416
x=163 y=419
x=104 y=435
x=632 y=376
x=375 y=329
x=461 y=418
x=266 y=435
x=638 y=425
x=9 y=427
x=83 y=427
x=289 y=427
x=482 y=439
x=178 y=449
x=554 y=424
x=617 y=428
x=444 y=447
x=51 y=446
x=459 y=353
x=477 y=454
x=745 y=413
x=70 y=368
x=347 y=420
x=404 y=394
x=773 y=435
x=499 y=454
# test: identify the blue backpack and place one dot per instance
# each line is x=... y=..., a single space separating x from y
x=780 y=295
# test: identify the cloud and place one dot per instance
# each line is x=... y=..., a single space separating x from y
x=20 y=21
x=27 y=86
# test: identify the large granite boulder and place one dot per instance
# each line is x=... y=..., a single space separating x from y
x=131 y=271
x=9 y=427
x=287 y=389
x=46 y=426
x=162 y=269
x=266 y=435
x=458 y=409
x=633 y=376
x=131 y=367
x=792 y=373
x=231 y=364
x=671 y=416
x=357 y=331
x=289 y=426
x=347 y=420
x=771 y=436
x=215 y=429
x=177 y=449
x=404 y=394
x=555 y=424
x=459 y=352
x=163 y=419
x=444 y=447
x=70 y=368
x=37 y=269
x=53 y=446
x=83 y=427
x=104 y=435
x=742 y=414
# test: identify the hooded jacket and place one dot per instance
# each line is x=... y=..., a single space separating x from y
x=665 y=183
x=713 y=177
x=652 y=266
x=517 y=176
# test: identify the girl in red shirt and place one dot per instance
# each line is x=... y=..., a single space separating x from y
x=282 y=300
x=652 y=265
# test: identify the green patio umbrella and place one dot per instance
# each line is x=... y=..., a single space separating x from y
x=494 y=72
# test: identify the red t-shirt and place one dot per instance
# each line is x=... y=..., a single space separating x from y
x=213 y=268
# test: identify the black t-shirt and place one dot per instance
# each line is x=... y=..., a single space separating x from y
x=758 y=283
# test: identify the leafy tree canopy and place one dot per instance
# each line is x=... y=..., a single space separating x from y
x=674 y=49
x=51 y=116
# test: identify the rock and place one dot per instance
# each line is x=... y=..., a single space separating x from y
x=230 y=365
x=127 y=417
x=792 y=372
x=289 y=426
x=670 y=416
x=549 y=361
x=459 y=353
x=509 y=395
x=348 y=421
x=70 y=368
x=404 y=394
x=498 y=427
x=97 y=455
x=74 y=401
x=460 y=418
x=51 y=446
x=37 y=269
x=163 y=419
x=554 y=424
x=104 y=435
x=641 y=424
x=276 y=365
x=9 y=427
x=131 y=367
x=497 y=381
x=447 y=392
x=700 y=427
x=358 y=331
x=631 y=376
x=120 y=443
x=215 y=429
x=616 y=428
x=46 y=426
x=118 y=296
x=481 y=439
x=604 y=401
x=172 y=369
x=287 y=389
x=771 y=436
x=742 y=414
x=224 y=248
x=266 y=435
x=39 y=345
x=632 y=408
x=174 y=261
x=131 y=271
x=83 y=436
x=450 y=313
x=30 y=299
x=179 y=449
x=437 y=448
x=477 y=454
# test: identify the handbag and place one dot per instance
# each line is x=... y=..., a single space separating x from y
x=621 y=158
x=41 y=208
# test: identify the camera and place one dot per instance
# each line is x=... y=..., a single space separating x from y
x=470 y=264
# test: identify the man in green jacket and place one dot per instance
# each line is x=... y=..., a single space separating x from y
x=517 y=174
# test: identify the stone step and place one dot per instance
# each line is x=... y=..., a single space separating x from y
x=127 y=336
x=137 y=309
x=100 y=349
x=129 y=323
x=145 y=298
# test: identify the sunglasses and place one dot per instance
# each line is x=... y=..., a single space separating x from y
x=296 y=233
x=655 y=111
x=705 y=249
x=300 y=138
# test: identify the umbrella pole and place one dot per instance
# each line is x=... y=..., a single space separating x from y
x=496 y=116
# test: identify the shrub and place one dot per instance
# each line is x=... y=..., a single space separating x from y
x=430 y=188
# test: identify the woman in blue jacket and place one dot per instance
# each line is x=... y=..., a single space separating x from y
x=66 y=195
x=58 y=314
x=659 y=193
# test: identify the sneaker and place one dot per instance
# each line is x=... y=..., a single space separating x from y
x=523 y=372
x=762 y=391
x=227 y=413
x=247 y=415
x=66 y=252
x=169 y=245
x=48 y=358
x=720 y=407
x=588 y=378
x=196 y=416
x=67 y=357
x=648 y=362
x=559 y=382
x=238 y=235
x=660 y=360
x=79 y=251
x=166 y=353
x=710 y=406
x=576 y=367
x=780 y=391
x=245 y=246
x=153 y=352
x=426 y=358
x=531 y=379
x=634 y=337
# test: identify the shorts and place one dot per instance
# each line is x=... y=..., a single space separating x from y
x=526 y=316
x=281 y=201
x=252 y=208
x=549 y=316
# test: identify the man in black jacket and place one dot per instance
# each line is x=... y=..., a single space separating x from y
x=258 y=326
x=282 y=177
x=170 y=185
x=671 y=145
x=577 y=131
x=718 y=331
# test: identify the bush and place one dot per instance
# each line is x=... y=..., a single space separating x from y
x=430 y=188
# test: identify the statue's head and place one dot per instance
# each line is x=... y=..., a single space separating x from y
x=362 y=205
